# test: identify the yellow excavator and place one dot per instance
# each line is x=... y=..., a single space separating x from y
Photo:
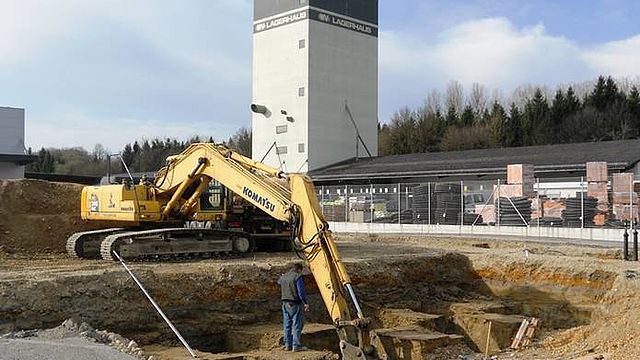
x=173 y=197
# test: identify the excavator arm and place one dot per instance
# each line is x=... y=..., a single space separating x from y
x=291 y=198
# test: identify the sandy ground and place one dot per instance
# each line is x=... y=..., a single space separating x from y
x=586 y=296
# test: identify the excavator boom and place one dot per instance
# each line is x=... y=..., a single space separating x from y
x=293 y=199
x=174 y=196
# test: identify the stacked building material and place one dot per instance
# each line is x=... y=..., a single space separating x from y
x=487 y=213
x=334 y=212
x=574 y=211
x=521 y=175
x=420 y=204
x=515 y=211
x=624 y=199
x=597 y=188
x=447 y=198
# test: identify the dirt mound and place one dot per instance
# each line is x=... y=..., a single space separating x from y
x=37 y=216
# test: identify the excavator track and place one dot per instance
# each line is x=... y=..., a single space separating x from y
x=86 y=244
x=174 y=243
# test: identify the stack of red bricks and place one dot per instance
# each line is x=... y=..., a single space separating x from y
x=597 y=188
x=624 y=198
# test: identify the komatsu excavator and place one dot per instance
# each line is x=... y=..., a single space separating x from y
x=174 y=195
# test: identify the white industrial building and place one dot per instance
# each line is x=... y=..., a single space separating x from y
x=12 y=150
x=315 y=82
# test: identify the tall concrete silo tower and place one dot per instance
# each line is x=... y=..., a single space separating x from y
x=315 y=82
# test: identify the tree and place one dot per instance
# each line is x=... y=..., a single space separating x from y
x=430 y=127
x=536 y=121
x=384 y=139
x=468 y=116
x=403 y=125
x=467 y=138
x=633 y=102
x=478 y=99
x=499 y=125
x=454 y=97
x=604 y=93
x=241 y=141
x=45 y=163
x=514 y=136
x=452 y=117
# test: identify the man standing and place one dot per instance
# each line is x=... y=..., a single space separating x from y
x=294 y=300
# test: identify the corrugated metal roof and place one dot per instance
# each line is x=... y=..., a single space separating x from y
x=549 y=160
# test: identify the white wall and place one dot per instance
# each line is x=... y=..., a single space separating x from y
x=280 y=68
x=591 y=234
x=11 y=130
x=11 y=171
x=343 y=65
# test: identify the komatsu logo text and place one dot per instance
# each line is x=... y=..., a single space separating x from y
x=259 y=199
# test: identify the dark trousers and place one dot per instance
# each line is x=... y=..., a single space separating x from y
x=293 y=320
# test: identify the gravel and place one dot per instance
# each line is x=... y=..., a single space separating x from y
x=69 y=341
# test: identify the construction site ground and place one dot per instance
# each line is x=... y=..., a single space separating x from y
x=430 y=297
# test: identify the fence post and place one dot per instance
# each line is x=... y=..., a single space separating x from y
x=429 y=201
x=322 y=199
x=581 y=202
x=632 y=215
x=399 y=204
x=461 y=202
x=498 y=212
x=346 y=204
x=371 y=193
x=540 y=208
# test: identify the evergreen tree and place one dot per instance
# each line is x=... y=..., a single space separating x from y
x=536 y=121
x=452 y=117
x=514 y=136
x=633 y=103
x=499 y=124
x=468 y=117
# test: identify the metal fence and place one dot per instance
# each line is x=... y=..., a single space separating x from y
x=567 y=202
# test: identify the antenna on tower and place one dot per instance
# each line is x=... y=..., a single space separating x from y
x=358 y=137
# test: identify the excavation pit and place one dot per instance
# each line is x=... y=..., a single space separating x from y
x=426 y=296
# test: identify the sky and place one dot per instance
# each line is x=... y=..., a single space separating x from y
x=112 y=71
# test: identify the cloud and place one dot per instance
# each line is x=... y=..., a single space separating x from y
x=132 y=69
x=495 y=53
x=619 y=58
x=79 y=129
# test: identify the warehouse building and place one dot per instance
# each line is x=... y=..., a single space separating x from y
x=12 y=150
x=550 y=161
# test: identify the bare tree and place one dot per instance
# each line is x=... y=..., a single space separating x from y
x=478 y=99
x=454 y=97
x=433 y=102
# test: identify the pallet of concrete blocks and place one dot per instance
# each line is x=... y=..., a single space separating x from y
x=622 y=182
x=597 y=172
x=522 y=175
x=507 y=190
x=624 y=198
x=600 y=191
x=625 y=212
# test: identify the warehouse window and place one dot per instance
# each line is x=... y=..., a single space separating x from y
x=301 y=147
x=302 y=43
x=281 y=129
x=301 y=91
x=281 y=150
